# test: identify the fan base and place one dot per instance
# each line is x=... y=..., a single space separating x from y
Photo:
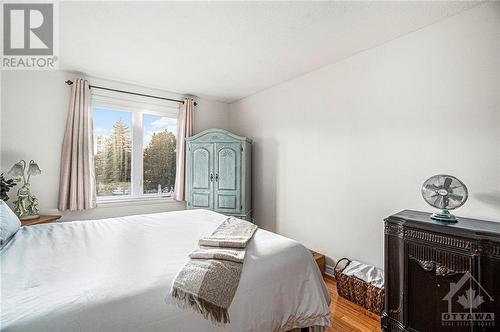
x=444 y=216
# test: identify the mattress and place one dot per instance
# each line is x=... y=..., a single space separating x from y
x=115 y=275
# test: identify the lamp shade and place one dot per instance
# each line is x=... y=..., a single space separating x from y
x=17 y=170
x=33 y=169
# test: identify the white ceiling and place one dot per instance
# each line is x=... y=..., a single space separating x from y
x=229 y=50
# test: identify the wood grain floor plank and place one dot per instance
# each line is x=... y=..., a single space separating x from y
x=350 y=317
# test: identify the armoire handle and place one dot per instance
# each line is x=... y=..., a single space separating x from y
x=216 y=177
x=211 y=177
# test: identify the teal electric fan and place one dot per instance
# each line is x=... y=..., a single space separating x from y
x=444 y=192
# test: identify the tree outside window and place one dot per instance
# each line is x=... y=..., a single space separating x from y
x=114 y=144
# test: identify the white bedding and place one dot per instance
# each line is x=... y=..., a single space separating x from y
x=115 y=275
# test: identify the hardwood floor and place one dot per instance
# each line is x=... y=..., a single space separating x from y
x=348 y=316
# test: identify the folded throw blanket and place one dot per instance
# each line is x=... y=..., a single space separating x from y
x=208 y=281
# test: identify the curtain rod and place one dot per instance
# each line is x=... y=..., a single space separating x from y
x=69 y=82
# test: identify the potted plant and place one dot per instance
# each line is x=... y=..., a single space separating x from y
x=5 y=186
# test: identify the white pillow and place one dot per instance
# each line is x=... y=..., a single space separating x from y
x=9 y=223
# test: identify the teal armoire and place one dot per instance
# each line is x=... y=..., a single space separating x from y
x=219 y=173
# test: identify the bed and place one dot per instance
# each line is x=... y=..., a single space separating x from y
x=115 y=275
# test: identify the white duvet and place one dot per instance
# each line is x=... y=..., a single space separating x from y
x=115 y=275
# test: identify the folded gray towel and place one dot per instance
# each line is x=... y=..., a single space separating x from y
x=234 y=255
x=232 y=233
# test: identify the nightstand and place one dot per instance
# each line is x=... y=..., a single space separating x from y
x=40 y=220
x=320 y=260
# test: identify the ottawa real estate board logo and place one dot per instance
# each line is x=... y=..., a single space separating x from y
x=469 y=295
x=29 y=36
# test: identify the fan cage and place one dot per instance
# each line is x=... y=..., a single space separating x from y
x=438 y=181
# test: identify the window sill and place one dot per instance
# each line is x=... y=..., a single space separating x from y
x=128 y=201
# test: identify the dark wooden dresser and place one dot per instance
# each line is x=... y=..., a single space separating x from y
x=441 y=277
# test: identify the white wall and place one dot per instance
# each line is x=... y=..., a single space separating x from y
x=33 y=117
x=340 y=148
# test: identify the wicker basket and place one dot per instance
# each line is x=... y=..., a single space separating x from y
x=358 y=291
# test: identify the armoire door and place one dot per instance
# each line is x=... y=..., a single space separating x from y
x=201 y=175
x=227 y=191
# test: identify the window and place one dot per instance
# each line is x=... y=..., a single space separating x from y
x=159 y=154
x=134 y=150
x=112 y=152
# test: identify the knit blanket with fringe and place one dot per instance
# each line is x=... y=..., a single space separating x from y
x=208 y=281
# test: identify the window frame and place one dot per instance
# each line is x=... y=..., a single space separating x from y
x=137 y=109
